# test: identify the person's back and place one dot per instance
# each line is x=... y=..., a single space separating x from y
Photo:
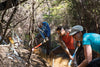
x=46 y=29
x=92 y=39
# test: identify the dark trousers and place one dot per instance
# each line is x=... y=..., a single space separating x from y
x=94 y=63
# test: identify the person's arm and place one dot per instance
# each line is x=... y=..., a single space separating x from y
x=88 y=55
x=41 y=33
x=66 y=49
x=46 y=29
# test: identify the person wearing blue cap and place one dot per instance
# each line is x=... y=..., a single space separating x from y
x=90 y=41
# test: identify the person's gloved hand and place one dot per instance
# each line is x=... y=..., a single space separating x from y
x=71 y=57
x=46 y=38
x=78 y=43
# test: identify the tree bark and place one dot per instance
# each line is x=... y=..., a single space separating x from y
x=11 y=4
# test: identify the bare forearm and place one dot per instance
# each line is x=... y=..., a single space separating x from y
x=84 y=63
x=67 y=52
x=65 y=48
x=88 y=56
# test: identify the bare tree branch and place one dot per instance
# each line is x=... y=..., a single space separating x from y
x=8 y=23
x=19 y=22
x=39 y=5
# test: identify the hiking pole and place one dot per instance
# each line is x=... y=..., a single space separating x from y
x=69 y=64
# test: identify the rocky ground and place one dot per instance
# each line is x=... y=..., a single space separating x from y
x=19 y=58
x=9 y=58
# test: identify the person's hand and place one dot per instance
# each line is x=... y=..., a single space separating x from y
x=71 y=57
x=78 y=44
x=46 y=38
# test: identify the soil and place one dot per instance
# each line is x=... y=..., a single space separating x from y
x=8 y=58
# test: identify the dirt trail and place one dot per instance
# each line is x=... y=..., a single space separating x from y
x=59 y=62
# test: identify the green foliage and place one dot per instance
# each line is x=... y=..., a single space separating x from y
x=56 y=3
x=57 y=11
x=84 y=13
